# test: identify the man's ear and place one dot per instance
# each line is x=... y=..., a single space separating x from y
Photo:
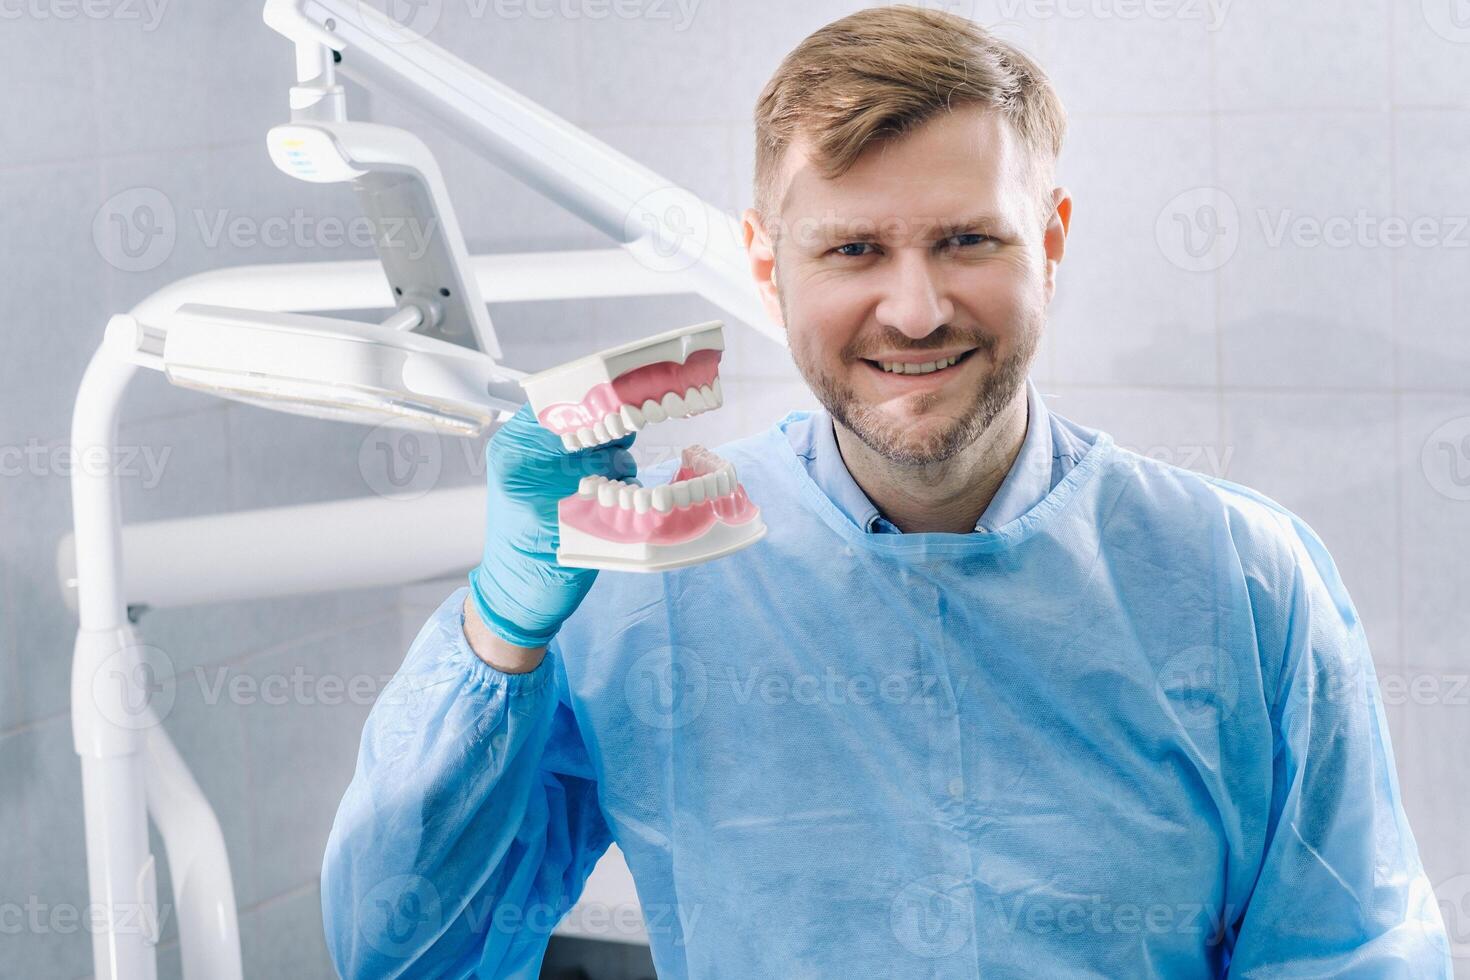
x=1055 y=236
x=762 y=255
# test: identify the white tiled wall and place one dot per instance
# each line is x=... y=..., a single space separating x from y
x=1317 y=374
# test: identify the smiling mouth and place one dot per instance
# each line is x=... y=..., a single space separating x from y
x=936 y=366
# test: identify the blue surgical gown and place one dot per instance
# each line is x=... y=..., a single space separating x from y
x=1133 y=732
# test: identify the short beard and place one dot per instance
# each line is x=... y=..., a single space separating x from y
x=886 y=438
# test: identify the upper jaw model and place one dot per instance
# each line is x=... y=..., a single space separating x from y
x=703 y=513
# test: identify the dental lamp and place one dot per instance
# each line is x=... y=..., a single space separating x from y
x=431 y=362
x=335 y=369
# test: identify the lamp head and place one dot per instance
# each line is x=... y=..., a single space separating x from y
x=330 y=368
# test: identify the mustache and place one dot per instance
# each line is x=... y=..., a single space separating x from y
x=893 y=340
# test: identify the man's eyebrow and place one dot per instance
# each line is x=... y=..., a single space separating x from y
x=871 y=230
x=986 y=223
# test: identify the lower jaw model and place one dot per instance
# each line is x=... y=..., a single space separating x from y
x=703 y=513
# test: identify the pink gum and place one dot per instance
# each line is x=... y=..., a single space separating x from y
x=652 y=381
x=652 y=527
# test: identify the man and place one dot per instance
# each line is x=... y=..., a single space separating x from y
x=994 y=697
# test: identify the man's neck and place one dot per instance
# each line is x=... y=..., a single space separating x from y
x=944 y=497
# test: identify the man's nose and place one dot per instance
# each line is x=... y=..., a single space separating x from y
x=915 y=298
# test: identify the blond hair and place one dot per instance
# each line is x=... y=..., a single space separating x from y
x=879 y=73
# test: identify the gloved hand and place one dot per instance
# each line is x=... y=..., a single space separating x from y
x=522 y=594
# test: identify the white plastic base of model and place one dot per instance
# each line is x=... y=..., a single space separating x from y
x=582 y=550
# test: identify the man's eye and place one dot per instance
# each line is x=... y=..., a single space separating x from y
x=852 y=250
x=969 y=239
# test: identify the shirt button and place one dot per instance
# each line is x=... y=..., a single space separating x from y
x=957 y=787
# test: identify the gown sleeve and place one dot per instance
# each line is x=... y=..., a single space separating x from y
x=1341 y=891
x=471 y=823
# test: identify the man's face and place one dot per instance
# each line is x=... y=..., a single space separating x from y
x=927 y=251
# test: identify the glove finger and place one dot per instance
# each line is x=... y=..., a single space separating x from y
x=622 y=442
x=522 y=436
x=615 y=462
x=560 y=475
x=527 y=434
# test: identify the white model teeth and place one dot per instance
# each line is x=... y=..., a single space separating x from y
x=929 y=367
x=613 y=425
x=631 y=418
x=654 y=412
x=629 y=495
x=694 y=401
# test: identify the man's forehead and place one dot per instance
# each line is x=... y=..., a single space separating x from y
x=963 y=162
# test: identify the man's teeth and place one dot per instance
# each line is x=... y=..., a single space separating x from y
x=662 y=498
x=631 y=418
x=929 y=367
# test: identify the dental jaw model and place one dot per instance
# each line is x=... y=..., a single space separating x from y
x=703 y=513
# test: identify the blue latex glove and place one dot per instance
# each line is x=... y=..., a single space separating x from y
x=522 y=594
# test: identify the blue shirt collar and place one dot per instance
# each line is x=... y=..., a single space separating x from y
x=1027 y=482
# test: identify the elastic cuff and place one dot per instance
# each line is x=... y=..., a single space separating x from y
x=503 y=628
x=487 y=673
